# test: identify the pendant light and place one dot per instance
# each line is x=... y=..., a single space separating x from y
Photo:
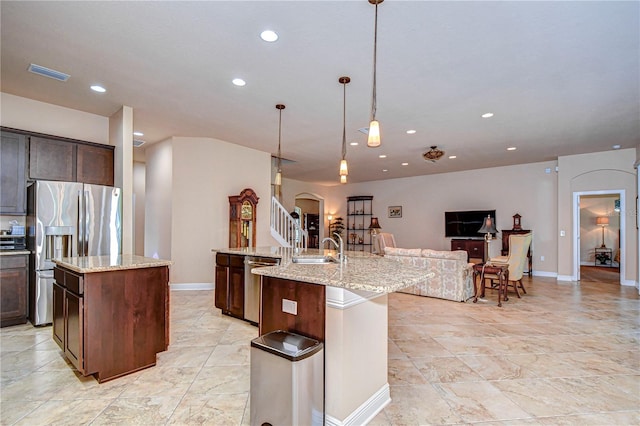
x=344 y=170
x=278 y=180
x=373 y=140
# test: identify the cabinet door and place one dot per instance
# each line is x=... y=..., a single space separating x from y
x=95 y=165
x=236 y=291
x=58 y=315
x=13 y=296
x=13 y=152
x=220 y=295
x=475 y=248
x=74 y=327
x=52 y=160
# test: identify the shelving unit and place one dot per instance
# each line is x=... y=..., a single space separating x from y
x=359 y=213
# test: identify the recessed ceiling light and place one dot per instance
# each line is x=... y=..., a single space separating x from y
x=382 y=156
x=616 y=147
x=452 y=157
x=405 y=164
x=511 y=148
x=98 y=89
x=238 y=82
x=385 y=170
x=138 y=134
x=269 y=36
x=411 y=132
x=353 y=143
x=487 y=115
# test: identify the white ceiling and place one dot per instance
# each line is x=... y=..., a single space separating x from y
x=562 y=78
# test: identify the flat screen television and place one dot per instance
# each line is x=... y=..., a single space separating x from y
x=465 y=224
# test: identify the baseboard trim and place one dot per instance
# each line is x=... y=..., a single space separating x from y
x=191 y=286
x=545 y=274
x=566 y=278
x=366 y=412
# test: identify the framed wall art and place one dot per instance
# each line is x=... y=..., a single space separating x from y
x=394 y=211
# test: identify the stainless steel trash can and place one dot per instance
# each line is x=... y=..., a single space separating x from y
x=287 y=380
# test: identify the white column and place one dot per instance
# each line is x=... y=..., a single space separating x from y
x=121 y=136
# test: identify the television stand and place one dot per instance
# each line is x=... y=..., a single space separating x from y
x=474 y=249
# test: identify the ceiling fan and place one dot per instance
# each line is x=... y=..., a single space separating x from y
x=433 y=154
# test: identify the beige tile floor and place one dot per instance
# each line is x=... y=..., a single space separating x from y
x=563 y=354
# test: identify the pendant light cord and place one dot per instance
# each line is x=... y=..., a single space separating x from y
x=375 y=50
x=344 y=120
x=279 y=138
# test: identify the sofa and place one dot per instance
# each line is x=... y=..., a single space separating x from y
x=453 y=279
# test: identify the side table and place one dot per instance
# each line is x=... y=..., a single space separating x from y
x=603 y=256
x=499 y=271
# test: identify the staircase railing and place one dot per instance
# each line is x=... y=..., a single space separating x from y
x=285 y=229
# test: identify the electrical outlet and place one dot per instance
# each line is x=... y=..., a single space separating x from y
x=541 y=258
x=290 y=306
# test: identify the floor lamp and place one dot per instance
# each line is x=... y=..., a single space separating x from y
x=488 y=228
x=602 y=221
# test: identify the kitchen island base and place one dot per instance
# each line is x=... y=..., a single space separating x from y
x=110 y=323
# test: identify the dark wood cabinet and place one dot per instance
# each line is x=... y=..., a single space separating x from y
x=13 y=289
x=229 y=286
x=51 y=159
x=94 y=165
x=111 y=323
x=474 y=248
x=505 y=245
x=13 y=154
x=62 y=160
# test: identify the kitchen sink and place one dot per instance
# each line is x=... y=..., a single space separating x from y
x=313 y=260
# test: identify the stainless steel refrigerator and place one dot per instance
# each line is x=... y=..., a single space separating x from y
x=67 y=219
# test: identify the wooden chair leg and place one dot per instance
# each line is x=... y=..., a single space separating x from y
x=522 y=286
x=515 y=287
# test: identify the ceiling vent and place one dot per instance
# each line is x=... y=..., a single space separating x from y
x=433 y=154
x=138 y=143
x=47 y=72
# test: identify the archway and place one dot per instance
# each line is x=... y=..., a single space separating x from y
x=312 y=216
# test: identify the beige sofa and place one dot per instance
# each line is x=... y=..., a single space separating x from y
x=453 y=278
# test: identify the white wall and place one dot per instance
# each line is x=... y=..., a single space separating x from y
x=601 y=171
x=158 y=213
x=190 y=180
x=525 y=189
x=27 y=114
x=139 y=193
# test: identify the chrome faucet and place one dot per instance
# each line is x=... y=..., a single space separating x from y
x=340 y=247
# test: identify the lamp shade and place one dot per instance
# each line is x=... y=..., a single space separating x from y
x=602 y=221
x=344 y=169
x=374 y=223
x=343 y=178
x=374 y=134
x=488 y=227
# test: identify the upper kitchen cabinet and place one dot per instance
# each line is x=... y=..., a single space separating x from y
x=13 y=152
x=51 y=159
x=95 y=165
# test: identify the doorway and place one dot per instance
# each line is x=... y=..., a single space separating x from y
x=599 y=235
x=311 y=218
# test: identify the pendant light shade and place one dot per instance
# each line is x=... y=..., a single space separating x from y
x=344 y=169
x=278 y=179
x=373 y=139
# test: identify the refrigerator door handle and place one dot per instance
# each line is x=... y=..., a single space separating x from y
x=86 y=217
x=80 y=225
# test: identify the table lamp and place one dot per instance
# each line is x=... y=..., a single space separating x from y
x=602 y=221
x=488 y=228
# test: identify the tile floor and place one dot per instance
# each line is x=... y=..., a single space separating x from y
x=563 y=354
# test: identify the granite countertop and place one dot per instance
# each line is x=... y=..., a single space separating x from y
x=90 y=264
x=14 y=252
x=363 y=271
x=275 y=252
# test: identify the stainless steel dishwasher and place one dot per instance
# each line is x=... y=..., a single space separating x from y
x=252 y=285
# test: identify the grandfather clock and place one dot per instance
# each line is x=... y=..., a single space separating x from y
x=242 y=219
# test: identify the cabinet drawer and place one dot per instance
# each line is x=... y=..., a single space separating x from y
x=17 y=261
x=237 y=261
x=58 y=276
x=475 y=247
x=74 y=283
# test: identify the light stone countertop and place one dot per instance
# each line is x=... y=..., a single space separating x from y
x=85 y=265
x=362 y=271
x=275 y=252
x=14 y=252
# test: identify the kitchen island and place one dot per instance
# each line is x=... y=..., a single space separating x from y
x=111 y=313
x=345 y=306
